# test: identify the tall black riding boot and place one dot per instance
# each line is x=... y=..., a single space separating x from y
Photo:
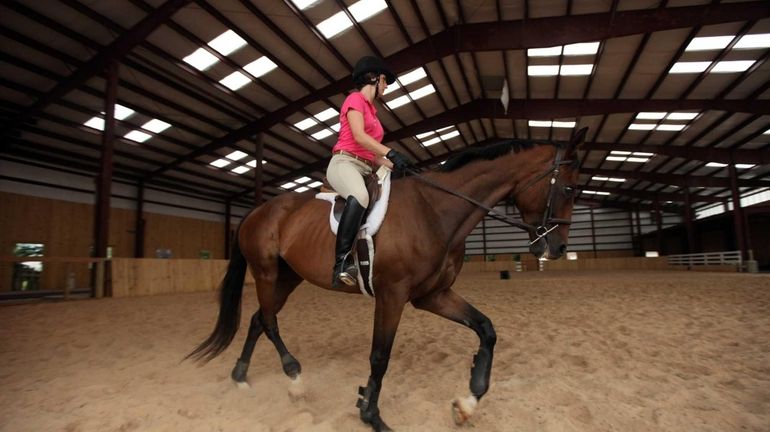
x=344 y=267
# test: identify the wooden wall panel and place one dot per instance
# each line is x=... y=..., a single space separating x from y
x=66 y=229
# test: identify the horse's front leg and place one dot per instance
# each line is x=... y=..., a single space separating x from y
x=387 y=314
x=450 y=305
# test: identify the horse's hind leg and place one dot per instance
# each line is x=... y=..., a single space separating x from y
x=273 y=289
x=450 y=305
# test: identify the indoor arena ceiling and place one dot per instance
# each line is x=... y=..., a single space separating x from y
x=671 y=91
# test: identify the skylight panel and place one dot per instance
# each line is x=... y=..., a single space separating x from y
x=450 y=135
x=617 y=179
x=543 y=70
x=616 y=158
x=643 y=154
x=591 y=192
x=302 y=180
x=336 y=127
x=670 y=127
x=424 y=135
x=576 y=69
x=681 y=116
x=689 y=67
x=563 y=124
x=138 y=136
x=241 y=169
x=304 y=124
x=201 y=59
x=709 y=43
x=219 y=163
x=586 y=48
x=651 y=115
x=761 y=40
x=304 y=4
x=431 y=141
x=444 y=128
x=156 y=126
x=539 y=123
x=253 y=163
x=412 y=76
x=227 y=42
x=716 y=165
x=397 y=102
x=334 y=25
x=745 y=166
x=122 y=113
x=544 y=52
x=326 y=114
x=98 y=123
x=288 y=185
x=236 y=155
x=260 y=66
x=767 y=132
x=323 y=133
x=732 y=66
x=641 y=126
x=301 y=189
x=422 y=91
x=366 y=8
x=235 y=80
x=637 y=159
x=315 y=184
x=620 y=152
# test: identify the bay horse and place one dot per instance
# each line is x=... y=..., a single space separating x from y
x=419 y=252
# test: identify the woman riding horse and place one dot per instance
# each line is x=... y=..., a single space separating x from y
x=358 y=148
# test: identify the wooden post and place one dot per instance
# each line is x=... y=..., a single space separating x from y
x=139 y=222
x=104 y=177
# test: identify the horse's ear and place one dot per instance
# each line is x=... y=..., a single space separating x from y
x=577 y=139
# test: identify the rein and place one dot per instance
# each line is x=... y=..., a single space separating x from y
x=540 y=231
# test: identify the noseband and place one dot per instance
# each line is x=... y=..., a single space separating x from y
x=539 y=231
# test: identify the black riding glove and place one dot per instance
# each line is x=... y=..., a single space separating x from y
x=400 y=162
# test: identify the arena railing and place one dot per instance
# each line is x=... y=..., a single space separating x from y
x=709 y=258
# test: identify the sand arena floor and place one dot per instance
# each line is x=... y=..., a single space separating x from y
x=610 y=351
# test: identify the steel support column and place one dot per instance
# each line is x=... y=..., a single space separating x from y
x=104 y=177
x=659 y=226
x=228 y=210
x=740 y=232
x=688 y=222
x=258 y=178
x=593 y=231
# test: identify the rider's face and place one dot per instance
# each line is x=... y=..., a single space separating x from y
x=383 y=84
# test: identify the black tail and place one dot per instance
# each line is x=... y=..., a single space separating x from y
x=229 y=309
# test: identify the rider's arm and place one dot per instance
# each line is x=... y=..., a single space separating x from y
x=356 y=122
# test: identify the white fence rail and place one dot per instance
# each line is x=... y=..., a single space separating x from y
x=711 y=258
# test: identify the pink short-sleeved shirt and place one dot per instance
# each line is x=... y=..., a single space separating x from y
x=345 y=141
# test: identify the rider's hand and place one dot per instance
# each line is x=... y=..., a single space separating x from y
x=400 y=162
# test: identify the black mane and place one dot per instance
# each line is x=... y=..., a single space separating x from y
x=489 y=152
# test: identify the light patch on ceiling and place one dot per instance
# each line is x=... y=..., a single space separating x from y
x=241 y=169
x=156 y=126
x=138 y=136
x=753 y=41
x=227 y=43
x=236 y=155
x=732 y=66
x=201 y=59
x=260 y=66
x=98 y=123
x=709 y=43
x=235 y=80
x=219 y=163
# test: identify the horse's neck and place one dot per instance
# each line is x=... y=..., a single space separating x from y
x=484 y=181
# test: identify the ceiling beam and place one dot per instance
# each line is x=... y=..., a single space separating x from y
x=652 y=196
x=112 y=52
x=675 y=179
x=547 y=109
x=511 y=35
x=706 y=154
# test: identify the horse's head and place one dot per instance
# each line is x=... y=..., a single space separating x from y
x=547 y=196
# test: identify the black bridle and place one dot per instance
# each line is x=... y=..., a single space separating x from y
x=539 y=231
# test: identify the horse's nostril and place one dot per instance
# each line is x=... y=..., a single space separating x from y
x=563 y=249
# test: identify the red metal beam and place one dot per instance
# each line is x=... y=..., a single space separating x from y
x=510 y=35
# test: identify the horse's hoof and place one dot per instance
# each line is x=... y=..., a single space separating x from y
x=296 y=389
x=462 y=409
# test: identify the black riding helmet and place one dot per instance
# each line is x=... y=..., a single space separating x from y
x=372 y=64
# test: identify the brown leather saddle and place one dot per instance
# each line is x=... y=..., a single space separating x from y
x=373 y=187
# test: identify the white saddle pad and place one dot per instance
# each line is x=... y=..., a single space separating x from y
x=377 y=213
